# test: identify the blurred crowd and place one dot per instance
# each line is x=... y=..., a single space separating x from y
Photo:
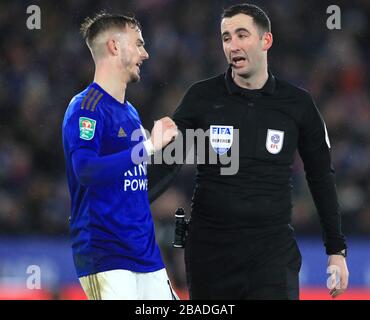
x=40 y=70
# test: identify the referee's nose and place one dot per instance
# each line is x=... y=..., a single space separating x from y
x=234 y=47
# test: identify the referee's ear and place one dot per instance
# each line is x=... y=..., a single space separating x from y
x=267 y=41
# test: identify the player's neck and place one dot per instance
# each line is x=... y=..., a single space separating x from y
x=108 y=81
x=256 y=81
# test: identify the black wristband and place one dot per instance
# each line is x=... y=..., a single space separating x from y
x=342 y=253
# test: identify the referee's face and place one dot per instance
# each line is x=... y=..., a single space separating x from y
x=244 y=48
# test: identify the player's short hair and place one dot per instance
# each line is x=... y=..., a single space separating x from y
x=259 y=16
x=103 y=21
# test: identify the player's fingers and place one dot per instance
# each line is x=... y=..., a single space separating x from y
x=168 y=124
x=172 y=124
x=168 y=121
x=172 y=128
x=173 y=132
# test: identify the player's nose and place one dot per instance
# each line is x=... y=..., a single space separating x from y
x=144 y=55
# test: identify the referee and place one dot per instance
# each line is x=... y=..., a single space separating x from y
x=241 y=244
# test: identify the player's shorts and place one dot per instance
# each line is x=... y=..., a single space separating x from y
x=128 y=285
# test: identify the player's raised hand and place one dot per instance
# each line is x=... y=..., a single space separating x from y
x=163 y=132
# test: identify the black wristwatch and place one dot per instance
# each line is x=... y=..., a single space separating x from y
x=342 y=253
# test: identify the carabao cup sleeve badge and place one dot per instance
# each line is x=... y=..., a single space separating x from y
x=87 y=128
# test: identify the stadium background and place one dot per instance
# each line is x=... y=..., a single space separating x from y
x=40 y=70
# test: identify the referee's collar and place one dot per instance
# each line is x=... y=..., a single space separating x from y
x=268 y=88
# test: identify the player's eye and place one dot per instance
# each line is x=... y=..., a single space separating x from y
x=140 y=43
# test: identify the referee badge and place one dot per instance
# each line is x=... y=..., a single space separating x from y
x=274 y=141
x=221 y=138
x=87 y=128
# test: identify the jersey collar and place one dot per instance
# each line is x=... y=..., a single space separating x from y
x=107 y=95
x=233 y=88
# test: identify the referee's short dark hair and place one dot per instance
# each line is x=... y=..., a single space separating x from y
x=103 y=21
x=259 y=16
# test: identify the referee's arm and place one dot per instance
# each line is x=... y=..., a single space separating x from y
x=314 y=149
x=161 y=176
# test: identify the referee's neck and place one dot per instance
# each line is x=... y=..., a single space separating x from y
x=252 y=82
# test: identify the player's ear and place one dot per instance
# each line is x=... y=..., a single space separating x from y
x=112 y=46
x=267 y=40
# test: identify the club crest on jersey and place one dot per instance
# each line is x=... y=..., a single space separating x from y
x=87 y=128
x=274 y=141
x=221 y=138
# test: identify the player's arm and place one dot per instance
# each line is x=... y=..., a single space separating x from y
x=90 y=167
x=314 y=149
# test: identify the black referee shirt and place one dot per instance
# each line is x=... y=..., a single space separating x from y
x=273 y=123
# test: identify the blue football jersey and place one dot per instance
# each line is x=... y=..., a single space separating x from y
x=111 y=224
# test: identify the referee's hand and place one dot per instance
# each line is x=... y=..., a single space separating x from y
x=163 y=132
x=338 y=281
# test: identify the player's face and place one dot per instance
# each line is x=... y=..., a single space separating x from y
x=243 y=45
x=132 y=53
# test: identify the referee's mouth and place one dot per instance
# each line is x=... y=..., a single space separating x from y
x=238 y=61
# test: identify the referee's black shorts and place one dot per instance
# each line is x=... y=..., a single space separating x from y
x=258 y=264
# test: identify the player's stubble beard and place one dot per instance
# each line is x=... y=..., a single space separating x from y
x=134 y=74
x=134 y=77
x=130 y=72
